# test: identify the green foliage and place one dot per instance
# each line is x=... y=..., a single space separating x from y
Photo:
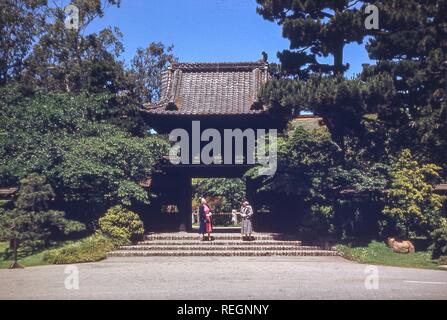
x=378 y=253
x=146 y=70
x=301 y=155
x=400 y=102
x=310 y=178
x=16 y=225
x=410 y=47
x=411 y=204
x=26 y=257
x=350 y=108
x=74 y=60
x=30 y=221
x=224 y=194
x=307 y=169
x=107 y=168
x=315 y=29
x=69 y=110
x=439 y=246
x=21 y=22
x=91 y=249
x=396 y=104
x=71 y=139
x=34 y=193
x=120 y=223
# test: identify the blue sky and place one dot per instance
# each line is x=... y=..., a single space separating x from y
x=205 y=30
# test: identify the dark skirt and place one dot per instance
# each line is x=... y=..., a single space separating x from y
x=202 y=226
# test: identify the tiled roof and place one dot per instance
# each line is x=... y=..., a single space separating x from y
x=211 y=89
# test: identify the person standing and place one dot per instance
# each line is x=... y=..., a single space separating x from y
x=234 y=217
x=206 y=225
x=246 y=215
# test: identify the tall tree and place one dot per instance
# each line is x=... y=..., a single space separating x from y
x=411 y=47
x=146 y=69
x=315 y=28
x=404 y=96
x=20 y=24
x=72 y=60
x=31 y=220
x=69 y=60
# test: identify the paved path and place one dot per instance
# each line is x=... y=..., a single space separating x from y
x=242 y=278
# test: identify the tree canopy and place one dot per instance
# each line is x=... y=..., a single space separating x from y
x=390 y=116
x=21 y=22
x=316 y=29
x=31 y=221
x=146 y=70
x=397 y=103
x=73 y=140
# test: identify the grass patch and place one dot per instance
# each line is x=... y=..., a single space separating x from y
x=26 y=258
x=379 y=253
x=91 y=249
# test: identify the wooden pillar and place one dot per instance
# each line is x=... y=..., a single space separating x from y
x=185 y=204
x=250 y=191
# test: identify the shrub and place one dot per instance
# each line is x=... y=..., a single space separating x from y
x=121 y=223
x=439 y=246
x=411 y=205
x=91 y=249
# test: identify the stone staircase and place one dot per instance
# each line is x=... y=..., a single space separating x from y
x=184 y=244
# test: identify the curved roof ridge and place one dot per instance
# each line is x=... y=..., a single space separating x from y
x=219 y=65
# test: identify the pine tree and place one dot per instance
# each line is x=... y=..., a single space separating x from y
x=31 y=221
x=411 y=46
x=348 y=108
x=316 y=28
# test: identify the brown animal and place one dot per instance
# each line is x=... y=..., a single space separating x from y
x=400 y=246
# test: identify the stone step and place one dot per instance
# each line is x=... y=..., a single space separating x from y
x=223 y=236
x=219 y=243
x=232 y=253
x=224 y=244
x=216 y=248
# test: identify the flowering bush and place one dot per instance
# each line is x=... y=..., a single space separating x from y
x=121 y=223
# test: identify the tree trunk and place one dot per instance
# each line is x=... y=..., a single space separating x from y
x=15 y=250
x=340 y=7
x=338 y=60
x=15 y=264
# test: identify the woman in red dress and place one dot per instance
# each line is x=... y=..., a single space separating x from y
x=207 y=218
